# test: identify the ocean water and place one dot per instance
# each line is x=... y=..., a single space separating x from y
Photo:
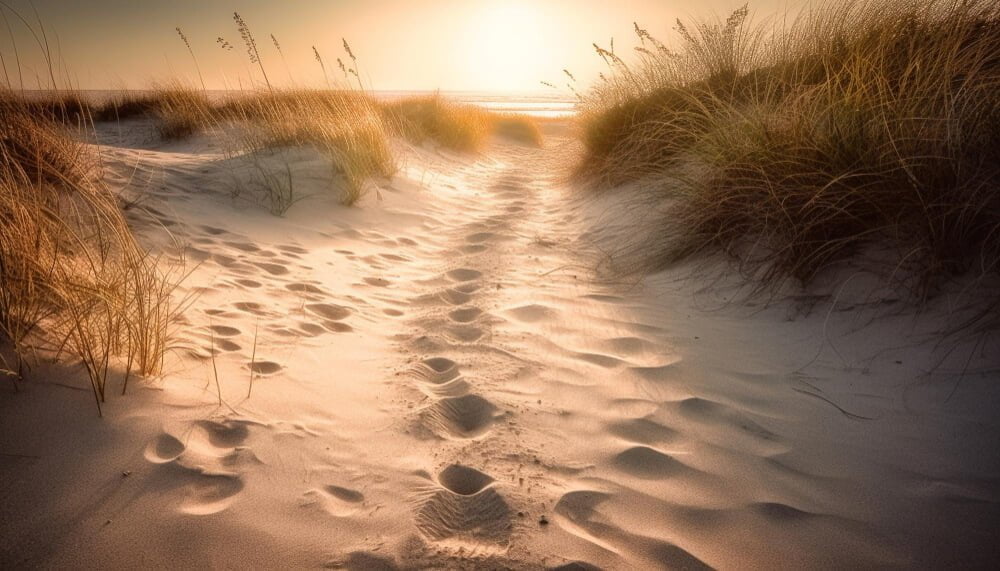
x=535 y=104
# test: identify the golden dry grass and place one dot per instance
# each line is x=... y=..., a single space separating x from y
x=74 y=279
x=433 y=117
x=455 y=126
x=865 y=122
x=344 y=126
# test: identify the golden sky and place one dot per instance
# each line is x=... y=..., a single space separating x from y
x=472 y=45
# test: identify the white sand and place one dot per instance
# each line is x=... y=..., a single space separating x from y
x=438 y=370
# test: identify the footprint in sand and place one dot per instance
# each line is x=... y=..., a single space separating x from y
x=243 y=246
x=334 y=500
x=196 y=254
x=305 y=288
x=464 y=333
x=273 y=269
x=227 y=345
x=202 y=482
x=464 y=275
x=465 y=508
x=264 y=367
x=473 y=248
x=465 y=314
x=438 y=370
x=223 y=260
x=439 y=376
x=464 y=417
x=250 y=307
x=329 y=311
x=225 y=330
x=337 y=327
x=453 y=296
x=209 y=493
x=227 y=434
x=469 y=288
x=311 y=329
x=163 y=448
x=249 y=283
x=373 y=262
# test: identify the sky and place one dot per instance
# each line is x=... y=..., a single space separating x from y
x=452 y=45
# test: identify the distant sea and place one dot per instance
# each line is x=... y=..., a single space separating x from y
x=537 y=104
x=534 y=104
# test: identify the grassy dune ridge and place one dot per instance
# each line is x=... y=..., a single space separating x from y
x=793 y=147
x=351 y=126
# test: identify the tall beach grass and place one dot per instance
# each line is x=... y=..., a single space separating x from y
x=455 y=126
x=74 y=280
x=794 y=146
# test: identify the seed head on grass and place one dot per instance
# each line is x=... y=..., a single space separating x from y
x=322 y=65
x=251 y=45
x=193 y=58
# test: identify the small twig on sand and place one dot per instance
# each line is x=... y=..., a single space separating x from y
x=850 y=415
x=253 y=356
x=215 y=369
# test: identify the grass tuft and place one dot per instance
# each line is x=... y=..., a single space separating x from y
x=455 y=126
x=74 y=278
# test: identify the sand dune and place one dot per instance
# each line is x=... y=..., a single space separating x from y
x=438 y=378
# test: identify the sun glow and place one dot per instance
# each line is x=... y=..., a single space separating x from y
x=505 y=44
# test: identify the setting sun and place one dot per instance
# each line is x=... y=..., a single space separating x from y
x=505 y=44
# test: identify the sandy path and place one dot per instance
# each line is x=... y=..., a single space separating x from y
x=441 y=382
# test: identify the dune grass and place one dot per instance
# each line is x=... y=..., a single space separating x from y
x=349 y=126
x=344 y=126
x=517 y=127
x=454 y=126
x=74 y=279
x=793 y=148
